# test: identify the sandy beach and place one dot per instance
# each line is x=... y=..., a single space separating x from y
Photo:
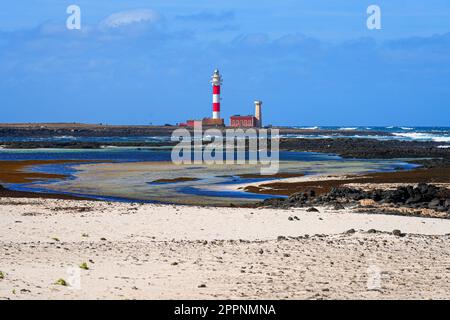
x=147 y=251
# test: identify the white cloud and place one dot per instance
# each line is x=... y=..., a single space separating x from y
x=125 y=18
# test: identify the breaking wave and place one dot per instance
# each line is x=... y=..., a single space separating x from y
x=423 y=136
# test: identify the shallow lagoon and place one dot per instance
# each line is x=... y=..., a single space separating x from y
x=131 y=174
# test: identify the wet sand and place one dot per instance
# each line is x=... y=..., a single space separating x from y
x=18 y=172
x=144 y=251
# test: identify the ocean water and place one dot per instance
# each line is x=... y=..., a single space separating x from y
x=403 y=133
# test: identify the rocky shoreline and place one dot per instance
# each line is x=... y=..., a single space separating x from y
x=369 y=148
x=42 y=130
x=416 y=196
x=81 y=144
x=423 y=196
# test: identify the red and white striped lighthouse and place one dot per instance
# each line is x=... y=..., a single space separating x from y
x=216 y=81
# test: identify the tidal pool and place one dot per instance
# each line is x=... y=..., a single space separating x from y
x=164 y=182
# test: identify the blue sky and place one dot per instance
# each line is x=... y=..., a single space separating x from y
x=311 y=62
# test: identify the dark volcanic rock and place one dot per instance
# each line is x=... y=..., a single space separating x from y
x=79 y=144
x=398 y=233
x=419 y=197
x=447 y=203
x=371 y=148
x=435 y=203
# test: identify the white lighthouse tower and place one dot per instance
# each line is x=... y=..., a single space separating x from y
x=216 y=81
x=258 y=113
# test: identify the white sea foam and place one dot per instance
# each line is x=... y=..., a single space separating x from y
x=348 y=129
x=309 y=128
x=444 y=147
x=406 y=128
x=64 y=137
x=423 y=136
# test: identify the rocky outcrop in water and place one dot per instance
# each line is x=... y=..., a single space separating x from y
x=78 y=144
x=369 y=148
